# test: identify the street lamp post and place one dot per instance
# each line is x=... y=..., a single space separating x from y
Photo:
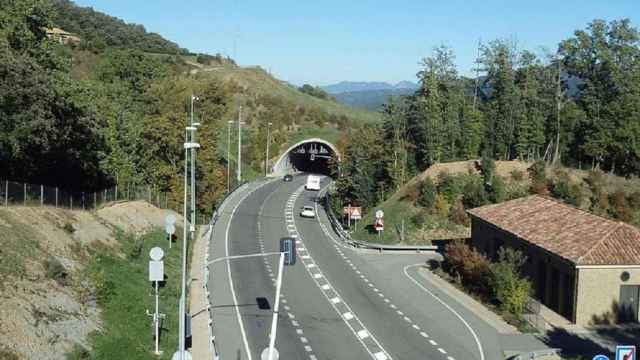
x=266 y=157
x=229 y=155
x=239 y=165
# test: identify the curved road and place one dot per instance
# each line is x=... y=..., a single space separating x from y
x=336 y=302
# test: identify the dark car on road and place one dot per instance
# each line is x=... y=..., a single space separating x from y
x=288 y=177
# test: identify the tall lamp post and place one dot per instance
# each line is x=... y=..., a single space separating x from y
x=229 y=155
x=239 y=165
x=266 y=157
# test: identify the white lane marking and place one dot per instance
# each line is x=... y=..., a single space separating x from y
x=326 y=287
x=380 y=356
x=380 y=349
x=348 y=315
x=407 y=319
x=424 y=334
x=317 y=276
x=442 y=350
x=393 y=306
x=295 y=323
x=415 y=327
x=473 y=333
x=433 y=343
x=233 y=292
x=304 y=340
x=335 y=300
x=307 y=348
x=362 y=334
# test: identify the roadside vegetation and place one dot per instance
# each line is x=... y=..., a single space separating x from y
x=559 y=113
x=124 y=294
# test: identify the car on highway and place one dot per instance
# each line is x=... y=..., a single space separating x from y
x=288 y=177
x=307 y=211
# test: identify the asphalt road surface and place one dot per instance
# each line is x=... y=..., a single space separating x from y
x=336 y=302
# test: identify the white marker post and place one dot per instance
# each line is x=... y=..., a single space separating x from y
x=156 y=274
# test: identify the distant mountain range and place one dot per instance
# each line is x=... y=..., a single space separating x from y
x=368 y=95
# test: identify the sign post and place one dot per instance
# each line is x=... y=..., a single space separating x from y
x=156 y=274
x=170 y=227
x=379 y=225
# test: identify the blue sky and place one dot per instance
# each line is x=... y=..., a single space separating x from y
x=323 y=42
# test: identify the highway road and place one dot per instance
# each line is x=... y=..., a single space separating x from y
x=336 y=302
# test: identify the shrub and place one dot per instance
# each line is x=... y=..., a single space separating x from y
x=428 y=194
x=488 y=168
x=599 y=199
x=517 y=175
x=8 y=354
x=496 y=190
x=509 y=289
x=539 y=183
x=458 y=215
x=441 y=206
x=474 y=194
x=450 y=186
x=472 y=266
x=619 y=206
x=563 y=188
x=105 y=288
x=419 y=218
x=55 y=271
x=634 y=200
x=68 y=227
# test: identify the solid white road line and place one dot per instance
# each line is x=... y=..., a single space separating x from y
x=473 y=333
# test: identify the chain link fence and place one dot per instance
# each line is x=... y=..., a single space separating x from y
x=22 y=194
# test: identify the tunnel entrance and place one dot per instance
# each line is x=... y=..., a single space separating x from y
x=312 y=155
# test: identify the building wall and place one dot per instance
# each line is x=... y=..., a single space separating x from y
x=552 y=278
x=599 y=291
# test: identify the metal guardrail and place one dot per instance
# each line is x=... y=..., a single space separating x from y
x=346 y=237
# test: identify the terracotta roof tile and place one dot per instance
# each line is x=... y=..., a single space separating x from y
x=574 y=234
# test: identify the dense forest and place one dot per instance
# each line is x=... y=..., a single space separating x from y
x=106 y=111
x=578 y=106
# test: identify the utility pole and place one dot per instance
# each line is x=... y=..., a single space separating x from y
x=266 y=158
x=239 y=167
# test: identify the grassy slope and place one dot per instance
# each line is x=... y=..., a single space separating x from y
x=260 y=81
x=126 y=327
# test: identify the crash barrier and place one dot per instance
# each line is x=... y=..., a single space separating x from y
x=346 y=237
x=536 y=354
x=214 y=218
x=23 y=194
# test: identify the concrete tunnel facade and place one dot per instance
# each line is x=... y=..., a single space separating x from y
x=310 y=155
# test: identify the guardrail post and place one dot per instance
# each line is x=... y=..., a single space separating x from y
x=95 y=201
x=83 y=208
x=6 y=193
x=25 y=194
x=116 y=195
x=71 y=201
x=56 y=197
x=41 y=195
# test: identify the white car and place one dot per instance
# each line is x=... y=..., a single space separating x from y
x=307 y=211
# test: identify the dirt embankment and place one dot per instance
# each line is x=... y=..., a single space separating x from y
x=47 y=303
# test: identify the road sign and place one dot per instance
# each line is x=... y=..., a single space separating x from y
x=170 y=229
x=600 y=357
x=288 y=247
x=354 y=212
x=379 y=214
x=265 y=354
x=379 y=225
x=156 y=270
x=156 y=254
x=170 y=219
x=627 y=352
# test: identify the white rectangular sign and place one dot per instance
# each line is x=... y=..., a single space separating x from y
x=156 y=270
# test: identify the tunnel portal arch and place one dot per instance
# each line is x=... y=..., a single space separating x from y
x=310 y=155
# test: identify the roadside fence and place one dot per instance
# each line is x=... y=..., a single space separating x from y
x=22 y=194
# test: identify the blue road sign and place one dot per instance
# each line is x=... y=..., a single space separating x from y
x=600 y=357
x=288 y=247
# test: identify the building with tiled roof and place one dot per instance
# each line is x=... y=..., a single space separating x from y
x=583 y=266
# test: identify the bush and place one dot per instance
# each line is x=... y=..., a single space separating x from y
x=496 y=190
x=563 y=188
x=55 y=271
x=68 y=228
x=472 y=266
x=458 y=215
x=509 y=289
x=474 y=194
x=620 y=207
x=517 y=175
x=539 y=182
x=428 y=194
x=488 y=166
x=419 y=218
x=105 y=288
x=450 y=186
x=634 y=200
x=599 y=199
x=441 y=206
